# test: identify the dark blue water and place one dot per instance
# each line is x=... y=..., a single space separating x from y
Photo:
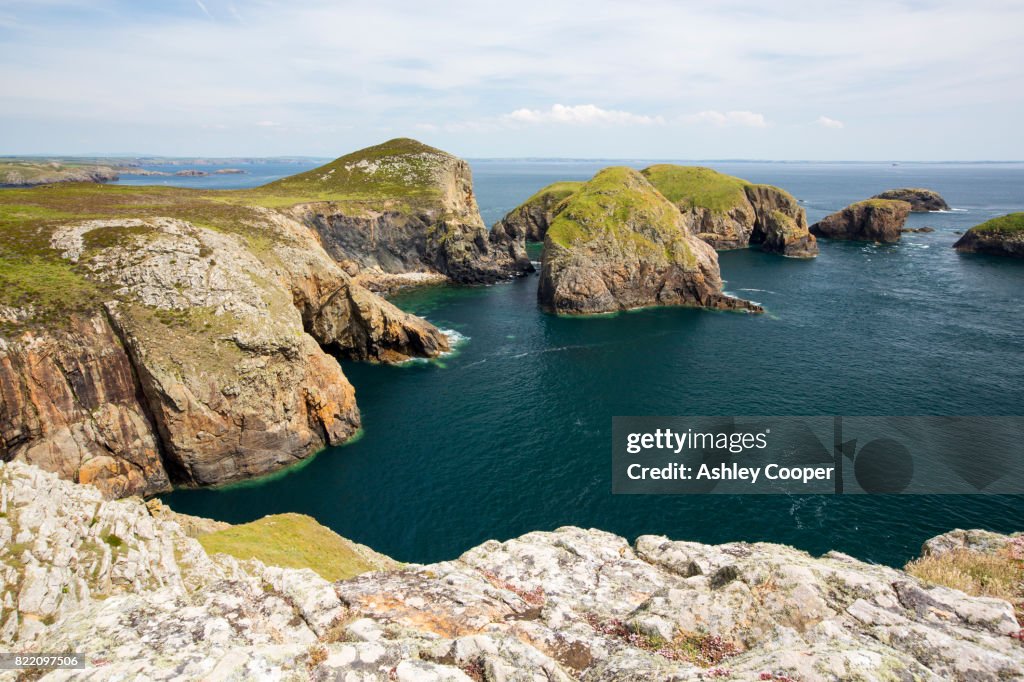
x=512 y=433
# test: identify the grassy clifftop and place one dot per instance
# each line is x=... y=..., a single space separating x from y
x=697 y=187
x=619 y=203
x=399 y=169
x=295 y=541
x=1005 y=225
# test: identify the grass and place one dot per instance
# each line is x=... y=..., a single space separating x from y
x=619 y=205
x=997 y=574
x=697 y=187
x=290 y=541
x=1005 y=225
x=883 y=204
x=400 y=170
x=554 y=193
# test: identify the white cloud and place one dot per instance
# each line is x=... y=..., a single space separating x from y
x=268 y=124
x=826 y=122
x=201 y=6
x=580 y=114
x=747 y=119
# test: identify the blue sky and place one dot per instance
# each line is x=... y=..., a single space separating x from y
x=645 y=79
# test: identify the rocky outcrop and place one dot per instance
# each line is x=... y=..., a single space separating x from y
x=920 y=200
x=530 y=220
x=619 y=244
x=203 y=359
x=1003 y=236
x=27 y=174
x=731 y=213
x=143 y=600
x=402 y=207
x=873 y=220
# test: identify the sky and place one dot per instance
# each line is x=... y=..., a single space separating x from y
x=865 y=80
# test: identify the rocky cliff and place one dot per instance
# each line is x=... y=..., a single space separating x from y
x=731 y=213
x=920 y=200
x=617 y=243
x=400 y=207
x=530 y=220
x=1002 y=236
x=873 y=220
x=142 y=600
x=183 y=344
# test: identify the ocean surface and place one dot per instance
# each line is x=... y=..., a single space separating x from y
x=511 y=433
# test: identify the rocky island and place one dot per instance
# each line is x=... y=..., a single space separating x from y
x=731 y=213
x=617 y=243
x=872 y=220
x=920 y=200
x=145 y=593
x=184 y=337
x=724 y=211
x=1002 y=236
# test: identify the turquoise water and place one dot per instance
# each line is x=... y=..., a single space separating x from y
x=512 y=432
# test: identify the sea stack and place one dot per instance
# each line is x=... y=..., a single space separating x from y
x=1002 y=236
x=618 y=243
x=872 y=220
x=920 y=200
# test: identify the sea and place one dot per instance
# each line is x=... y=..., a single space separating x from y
x=511 y=432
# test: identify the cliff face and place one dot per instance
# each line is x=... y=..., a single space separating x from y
x=920 y=200
x=530 y=220
x=401 y=207
x=1003 y=236
x=194 y=355
x=731 y=213
x=874 y=220
x=618 y=244
x=144 y=600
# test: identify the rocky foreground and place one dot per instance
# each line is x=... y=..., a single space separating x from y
x=143 y=600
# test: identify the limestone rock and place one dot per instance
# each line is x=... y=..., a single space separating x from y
x=920 y=200
x=619 y=244
x=144 y=601
x=1003 y=236
x=877 y=220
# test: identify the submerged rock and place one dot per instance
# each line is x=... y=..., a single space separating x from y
x=402 y=207
x=143 y=600
x=1003 y=236
x=731 y=213
x=617 y=244
x=872 y=220
x=920 y=200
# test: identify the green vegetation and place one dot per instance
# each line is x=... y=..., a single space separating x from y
x=291 y=541
x=113 y=540
x=697 y=187
x=399 y=170
x=997 y=574
x=553 y=193
x=1006 y=225
x=884 y=204
x=619 y=205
